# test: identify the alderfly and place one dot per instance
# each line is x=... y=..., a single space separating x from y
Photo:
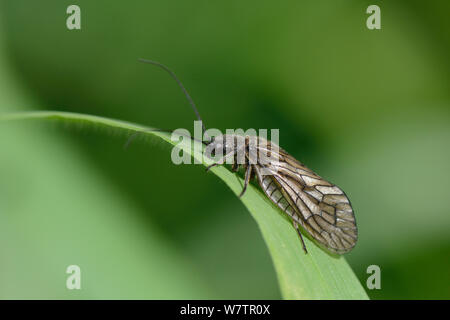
x=317 y=206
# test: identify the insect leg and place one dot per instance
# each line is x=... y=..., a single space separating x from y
x=252 y=174
x=235 y=166
x=248 y=173
x=221 y=161
x=212 y=165
x=301 y=237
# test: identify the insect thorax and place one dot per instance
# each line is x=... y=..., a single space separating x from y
x=242 y=150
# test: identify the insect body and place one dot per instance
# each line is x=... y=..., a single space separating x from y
x=319 y=207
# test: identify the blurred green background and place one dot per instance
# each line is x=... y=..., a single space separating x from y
x=368 y=110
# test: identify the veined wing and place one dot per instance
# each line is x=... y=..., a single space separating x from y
x=320 y=207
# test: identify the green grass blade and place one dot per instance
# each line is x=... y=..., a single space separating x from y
x=316 y=275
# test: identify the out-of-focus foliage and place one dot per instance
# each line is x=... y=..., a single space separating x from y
x=369 y=110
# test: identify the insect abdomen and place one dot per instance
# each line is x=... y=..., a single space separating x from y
x=273 y=191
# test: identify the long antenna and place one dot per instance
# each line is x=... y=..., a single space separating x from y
x=172 y=74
